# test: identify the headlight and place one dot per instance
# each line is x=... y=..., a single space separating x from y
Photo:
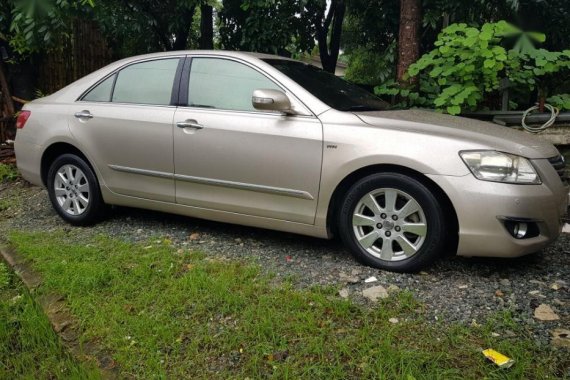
x=489 y=165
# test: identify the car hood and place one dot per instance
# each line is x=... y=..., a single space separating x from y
x=488 y=135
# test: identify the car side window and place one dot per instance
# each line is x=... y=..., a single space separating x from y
x=101 y=92
x=146 y=82
x=224 y=84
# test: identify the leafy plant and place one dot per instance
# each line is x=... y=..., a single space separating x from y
x=369 y=67
x=535 y=69
x=41 y=24
x=561 y=101
x=8 y=172
x=468 y=63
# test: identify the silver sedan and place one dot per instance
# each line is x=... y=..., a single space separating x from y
x=271 y=142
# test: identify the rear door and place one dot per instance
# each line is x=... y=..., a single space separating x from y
x=124 y=124
x=236 y=158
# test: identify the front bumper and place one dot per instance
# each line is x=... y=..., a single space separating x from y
x=482 y=207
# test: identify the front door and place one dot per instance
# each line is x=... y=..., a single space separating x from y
x=230 y=157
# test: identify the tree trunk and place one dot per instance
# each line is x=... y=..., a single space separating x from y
x=409 y=38
x=181 y=35
x=206 y=27
x=329 y=50
x=8 y=104
x=7 y=109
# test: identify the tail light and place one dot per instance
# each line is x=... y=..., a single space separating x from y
x=22 y=118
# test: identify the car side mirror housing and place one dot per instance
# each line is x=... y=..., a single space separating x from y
x=271 y=100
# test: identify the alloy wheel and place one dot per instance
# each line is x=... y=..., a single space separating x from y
x=72 y=190
x=389 y=224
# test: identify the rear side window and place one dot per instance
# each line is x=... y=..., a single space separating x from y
x=146 y=82
x=102 y=92
x=142 y=83
x=224 y=84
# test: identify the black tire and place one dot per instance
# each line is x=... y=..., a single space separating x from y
x=433 y=241
x=94 y=210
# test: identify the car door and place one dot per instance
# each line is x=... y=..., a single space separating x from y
x=124 y=124
x=230 y=157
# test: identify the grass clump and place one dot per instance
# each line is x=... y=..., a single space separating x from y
x=29 y=348
x=8 y=172
x=171 y=313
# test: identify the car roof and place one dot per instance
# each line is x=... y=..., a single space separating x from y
x=225 y=53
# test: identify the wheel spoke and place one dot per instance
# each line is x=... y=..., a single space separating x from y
x=419 y=229
x=66 y=204
x=371 y=203
x=411 y=207
x=69 y=172
x=409 y=248
x=390 y=196
x=83 y=188
x=362 y=220
x=76 y=206
x=79 y=176
x=62 y=178
x=367 y=241
x=387 y=251
x=84 y=201
x=60 y=192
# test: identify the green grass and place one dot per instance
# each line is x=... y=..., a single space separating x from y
x=8 y=172
x=168 y=313
x=29 y=349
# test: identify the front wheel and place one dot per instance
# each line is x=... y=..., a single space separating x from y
x=393 y=222
x=74 y=191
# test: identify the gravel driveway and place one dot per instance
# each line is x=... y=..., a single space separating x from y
x=454 y=289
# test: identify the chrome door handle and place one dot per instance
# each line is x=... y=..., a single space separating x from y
x=84 y=115
x=190 y=123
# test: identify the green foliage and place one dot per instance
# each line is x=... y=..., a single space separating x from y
x=267 y=26
x=4 y=276
x=535 y=69
x=468 y=63
x=370 y=68
x=38 y=25
x=370 y=25
x=8 y=172
x=29 y=347
x=561 y=101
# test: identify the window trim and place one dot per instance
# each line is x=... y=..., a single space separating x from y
x=175 y=85
x=185 y=83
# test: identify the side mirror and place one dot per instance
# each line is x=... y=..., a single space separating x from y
x=271 y=100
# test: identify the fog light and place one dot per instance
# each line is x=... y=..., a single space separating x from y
x=520 y=230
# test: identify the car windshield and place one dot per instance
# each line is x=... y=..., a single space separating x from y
x=332 y=90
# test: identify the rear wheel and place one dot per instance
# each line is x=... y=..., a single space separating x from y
x=392 y=221
x=74 y=191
